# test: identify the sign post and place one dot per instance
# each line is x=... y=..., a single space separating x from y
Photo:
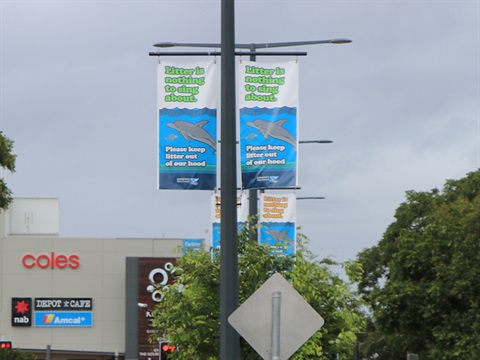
x=277 y=302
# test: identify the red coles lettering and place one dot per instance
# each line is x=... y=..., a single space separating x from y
x=51 y=261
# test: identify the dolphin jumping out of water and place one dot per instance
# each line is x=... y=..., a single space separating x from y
x=280 y=236
x=194 y=131
x=274 y=130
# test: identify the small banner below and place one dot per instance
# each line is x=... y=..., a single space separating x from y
x=187 y=125
x=242 y=216
x=277 y=222
x=268 y=102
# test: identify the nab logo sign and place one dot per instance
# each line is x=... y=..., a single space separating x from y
x=21 y=312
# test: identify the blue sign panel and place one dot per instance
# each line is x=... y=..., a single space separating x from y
x=192 y=244
x=188 y=149
x=268 y=147
x=63 y=319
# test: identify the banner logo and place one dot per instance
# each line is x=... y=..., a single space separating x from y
x=63 y=304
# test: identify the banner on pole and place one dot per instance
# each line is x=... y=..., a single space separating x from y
x=242 y=215
x=277 y=221
x=187 y=125
x=268 y=102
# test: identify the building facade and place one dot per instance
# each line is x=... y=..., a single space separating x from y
x=78 y=298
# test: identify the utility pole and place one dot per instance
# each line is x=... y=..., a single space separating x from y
x=229 y=338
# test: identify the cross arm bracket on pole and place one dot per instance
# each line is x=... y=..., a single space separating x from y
x=237 y=53
x=168 y=44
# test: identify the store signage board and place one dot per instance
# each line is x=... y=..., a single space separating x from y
x=153 y=274
x=298 y=320
x=63 y=319
x=63 y=304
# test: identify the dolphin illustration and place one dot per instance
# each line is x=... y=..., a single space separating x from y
x=194 y=131
x=275 y=130
x=280 y=236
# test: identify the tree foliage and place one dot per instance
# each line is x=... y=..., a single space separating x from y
x=422 y=280
x=189 y=315
x=10 y=354
x=7 y=161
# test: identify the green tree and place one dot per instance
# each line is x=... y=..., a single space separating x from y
x=422 y=280
x=188 y=315
x=9 y=354
x=7 y=161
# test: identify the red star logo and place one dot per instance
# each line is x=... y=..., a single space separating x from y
x=22 y=307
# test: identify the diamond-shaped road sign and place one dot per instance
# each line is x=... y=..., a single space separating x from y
x=254 y=318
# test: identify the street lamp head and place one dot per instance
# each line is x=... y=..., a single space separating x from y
x=340 y=41
x=165 y=44
x=315 y=141
x=168 y=44
x=310 y=197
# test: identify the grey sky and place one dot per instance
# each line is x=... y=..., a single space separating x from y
x=401 y=103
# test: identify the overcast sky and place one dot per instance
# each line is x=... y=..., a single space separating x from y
x=401 y=103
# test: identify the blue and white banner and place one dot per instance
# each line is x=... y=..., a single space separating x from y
x=63 y=319
x=277 y=221
x=187 y=96
x=216 y=206
x=268 y=97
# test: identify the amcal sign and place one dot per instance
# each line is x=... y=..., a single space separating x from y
x=51 y=261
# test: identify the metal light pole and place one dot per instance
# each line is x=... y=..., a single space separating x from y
x=229 y=338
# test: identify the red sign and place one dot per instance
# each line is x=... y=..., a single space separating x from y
x=21 y=311
x=52 y=261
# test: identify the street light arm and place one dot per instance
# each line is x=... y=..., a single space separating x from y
x=174 y=44
x=315 y=141
x=253 y=45
x=293 y=43
x=310 y=198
